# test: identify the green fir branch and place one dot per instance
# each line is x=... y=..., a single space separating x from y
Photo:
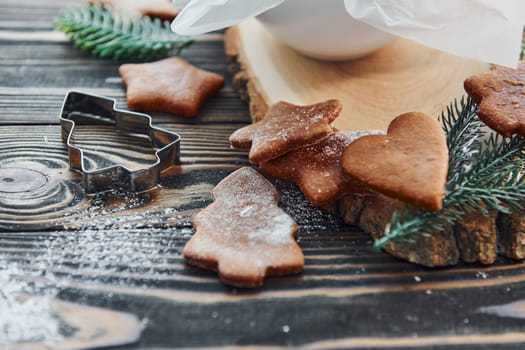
x=522 y=52
x=463 y=130
x=484 y=173
x=123 y=38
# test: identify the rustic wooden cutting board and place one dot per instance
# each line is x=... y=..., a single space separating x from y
x=402 y=77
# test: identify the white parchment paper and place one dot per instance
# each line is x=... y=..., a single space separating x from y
x=202 y=16
x=486 y=30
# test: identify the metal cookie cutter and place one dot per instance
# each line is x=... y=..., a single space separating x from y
x=87 y=109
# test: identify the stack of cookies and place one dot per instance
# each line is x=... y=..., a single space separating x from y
x=368 y=176
x=297 y=143
x=353 y=170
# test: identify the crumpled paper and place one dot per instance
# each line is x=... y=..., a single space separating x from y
x=485 y=30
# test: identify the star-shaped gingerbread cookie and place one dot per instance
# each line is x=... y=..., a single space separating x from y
x=500 y=95
x=169 y=85
x=285 y=127
x=163 y=9
x=317 y=169
x=244 y=235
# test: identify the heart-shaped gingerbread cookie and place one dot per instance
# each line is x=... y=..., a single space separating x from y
x=410 y=163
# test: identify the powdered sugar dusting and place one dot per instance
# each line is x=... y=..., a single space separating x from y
x=246 y=208
x=288 y=126
x=30 y=283
x=277 y=231
x=351 y=136
x=245 y=185
x=334 y=145
x=25 y=308
x=246 y=235
x=310 y=218
x=247 y=211
x=256 y=222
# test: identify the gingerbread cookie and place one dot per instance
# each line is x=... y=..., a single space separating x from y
x=317 y=169
x=169 y=85
x=163 y=9
x=244 y=235
x=410 y=163
x=500 y=95
x=285 y=127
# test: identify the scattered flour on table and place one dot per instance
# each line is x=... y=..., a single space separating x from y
x=56 y=261
x=25 y=307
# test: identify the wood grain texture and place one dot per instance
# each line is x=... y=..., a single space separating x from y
x=344 y=289
x=33 y=93
x=117 y=252
x=37 y=189
x=402 y=77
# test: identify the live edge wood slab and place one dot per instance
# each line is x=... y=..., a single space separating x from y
x=80 y=272
x=402 y=77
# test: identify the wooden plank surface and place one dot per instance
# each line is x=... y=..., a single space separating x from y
x=70 y=263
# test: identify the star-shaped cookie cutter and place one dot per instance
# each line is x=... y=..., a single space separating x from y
x=87 y=109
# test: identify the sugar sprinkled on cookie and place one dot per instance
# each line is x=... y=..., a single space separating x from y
x=317 y=169
x=244 y=235
x=500 y=95
x=169 y=85
x=410 y=163
x=284 y=127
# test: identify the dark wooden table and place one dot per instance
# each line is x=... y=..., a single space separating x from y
x=79 y=272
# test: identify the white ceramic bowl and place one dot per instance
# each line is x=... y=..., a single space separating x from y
x=323 y=29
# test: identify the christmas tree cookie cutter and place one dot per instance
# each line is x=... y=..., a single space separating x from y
x=81 y=108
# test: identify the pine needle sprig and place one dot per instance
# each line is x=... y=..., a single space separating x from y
x=495 y=180
x=105 y=34
x=484 y=173
x=463 y=130
x=522 y=52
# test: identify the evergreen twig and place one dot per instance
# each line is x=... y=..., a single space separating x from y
x=108 y=35
x=483 y=174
